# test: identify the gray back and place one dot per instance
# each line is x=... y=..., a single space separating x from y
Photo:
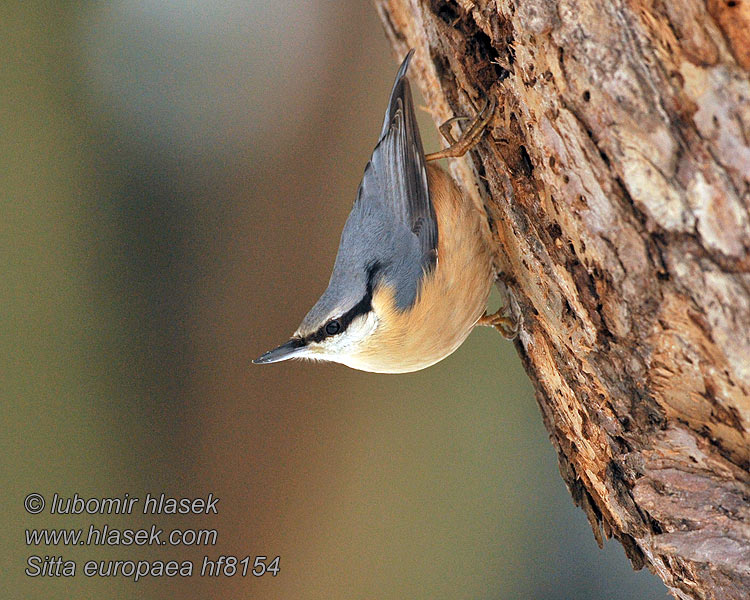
x=391 y=233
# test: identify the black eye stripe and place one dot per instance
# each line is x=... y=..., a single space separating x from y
x=362 y=307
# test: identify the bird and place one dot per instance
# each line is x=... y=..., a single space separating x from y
x=413 y=271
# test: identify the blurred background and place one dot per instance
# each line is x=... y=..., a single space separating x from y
x=176 y=175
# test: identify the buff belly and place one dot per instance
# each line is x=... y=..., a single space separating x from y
x=452 y=296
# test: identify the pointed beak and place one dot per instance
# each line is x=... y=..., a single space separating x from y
x=284 y=352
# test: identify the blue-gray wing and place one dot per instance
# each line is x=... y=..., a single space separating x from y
x=391 y=233
x=397 y=172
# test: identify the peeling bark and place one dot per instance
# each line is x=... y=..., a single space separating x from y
x=616 y=179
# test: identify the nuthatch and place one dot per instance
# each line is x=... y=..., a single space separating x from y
x=413 y=271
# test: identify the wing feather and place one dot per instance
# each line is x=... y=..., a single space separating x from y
x=399 y=169
x=392 y=223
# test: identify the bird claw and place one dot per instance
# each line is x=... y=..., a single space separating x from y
x=507 y=326
x=469 y=138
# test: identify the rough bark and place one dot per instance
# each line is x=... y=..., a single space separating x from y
x=616 y=178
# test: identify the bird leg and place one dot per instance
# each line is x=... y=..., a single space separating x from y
x=469 y=138
x=445 y=128
x=507 y=326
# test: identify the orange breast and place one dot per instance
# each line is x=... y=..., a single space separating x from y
x=451 y=298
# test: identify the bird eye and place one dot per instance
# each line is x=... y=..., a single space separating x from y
x=333 y=327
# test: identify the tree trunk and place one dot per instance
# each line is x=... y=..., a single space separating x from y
x=616 y=178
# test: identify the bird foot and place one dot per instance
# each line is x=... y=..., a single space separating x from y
x=469 y=138
x=507 y=326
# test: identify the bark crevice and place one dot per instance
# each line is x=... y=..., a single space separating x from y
x=616 y=179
